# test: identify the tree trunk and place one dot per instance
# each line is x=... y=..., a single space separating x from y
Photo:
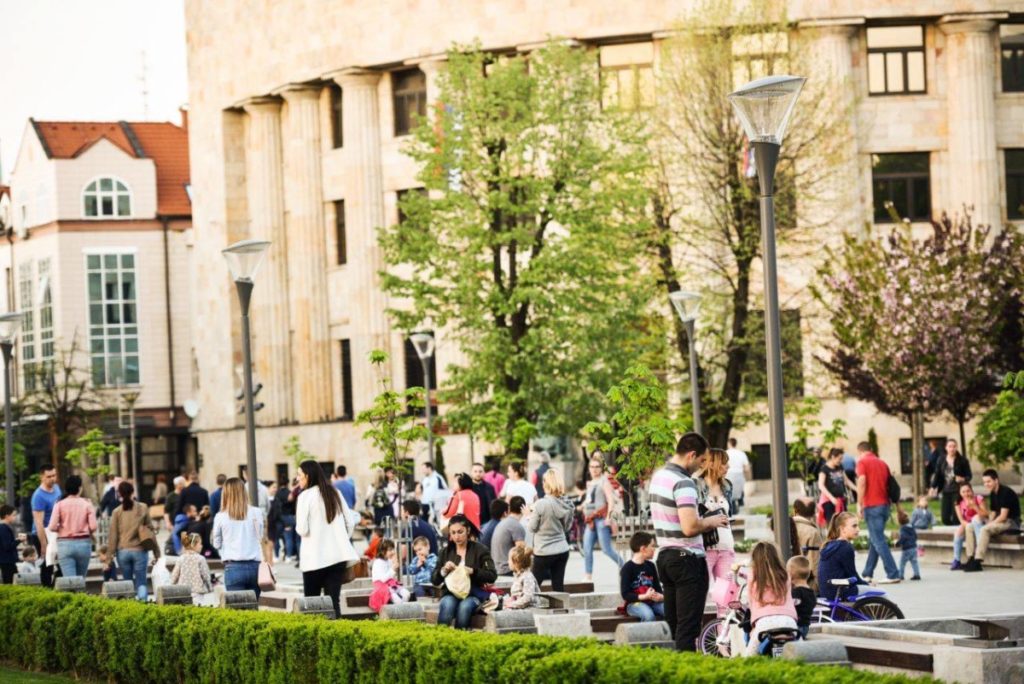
x=963 y=438
x=917 y=451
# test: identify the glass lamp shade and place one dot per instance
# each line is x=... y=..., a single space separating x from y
x=244 y=258
x=10 y=323
x=424 y=343
x=687 y=304
x=764 y=106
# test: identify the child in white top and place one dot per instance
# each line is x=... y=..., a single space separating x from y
x=384 y=570
x=192 y=570
x=523 y=593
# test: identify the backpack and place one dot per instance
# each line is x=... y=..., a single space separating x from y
x=892 y=488
x=380 y=498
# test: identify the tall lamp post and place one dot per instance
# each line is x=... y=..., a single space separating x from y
x=687 y=304
x=424 y=343
x=130 y=396
x=764 y=107
x=9 y=325
x=244 y=259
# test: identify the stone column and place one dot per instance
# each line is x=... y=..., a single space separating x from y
x=364 y=214
x=307 y=261
x=432 y=68
x=264 y=181
x=973 y=167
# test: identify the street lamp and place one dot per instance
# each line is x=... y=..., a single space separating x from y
x=130 y=396
x=9 y=325
x=424 y=344
x=764 y=107
x=244 y=259
x=687 y=304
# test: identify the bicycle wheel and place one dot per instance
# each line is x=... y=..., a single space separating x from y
x=708 y=642
x=874 y=608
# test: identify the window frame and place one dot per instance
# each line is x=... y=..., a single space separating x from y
x=1018 y=58
x=347 y=395
x=404 y=126
x=909 y=177
x=113 y=193
x=337 y=100
x=106 y=335
x=1016 y=177
x=903 y=52
x=340 y=234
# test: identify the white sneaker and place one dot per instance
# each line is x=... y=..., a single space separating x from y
x=886 y=580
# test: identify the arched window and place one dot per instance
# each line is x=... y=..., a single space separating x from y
x=107 y=197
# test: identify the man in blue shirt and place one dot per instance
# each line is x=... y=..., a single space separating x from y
x=345 y=486
x=45 y=497
x=217 y=493
x=417 y=526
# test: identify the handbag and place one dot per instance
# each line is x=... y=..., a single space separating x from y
x=458 y=582
x=147 y=540
x=711 y=536
x=265 y=579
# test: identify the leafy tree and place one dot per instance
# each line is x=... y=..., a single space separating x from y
x=804 y=415
x=20 y=465
x=392 y=428
x=90 y=456
x=641 y=426
x=909 y=334
x=1000 y=436
x=525 y=248
x=293 y=449
x=706 y=231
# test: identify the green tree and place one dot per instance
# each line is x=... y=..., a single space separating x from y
x=20 y=465
x=804 y=415
x=392 y=428
x=641 y=426
x=525 y=248
x=706 y=231
x=90 y=455
x=293 y=449
x=1000 y=436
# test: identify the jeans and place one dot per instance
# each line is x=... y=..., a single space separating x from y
x=909 y=556
x=461 y=611
x=961 y=533
x=876 y=517
x=720 y=565
x=553 y=568
x=73 y=556
x=684 y=577
x=327 y=580
x=291 y=543
x=947 y=513
x=647 y=611
x=242 y=575
x=133 y=566
x=601 y=531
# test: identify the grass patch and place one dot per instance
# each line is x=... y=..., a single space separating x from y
x=10 y=675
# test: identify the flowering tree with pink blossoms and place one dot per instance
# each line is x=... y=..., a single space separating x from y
x=923 y=326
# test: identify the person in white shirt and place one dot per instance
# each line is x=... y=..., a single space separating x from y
x=432 y=485
x=518 y=485
x=324 y=522
x=738 y=473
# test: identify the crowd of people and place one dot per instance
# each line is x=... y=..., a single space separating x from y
x=459 y=536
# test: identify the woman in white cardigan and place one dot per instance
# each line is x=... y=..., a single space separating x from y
x=322 y=519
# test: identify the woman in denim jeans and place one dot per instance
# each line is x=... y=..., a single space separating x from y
x=596 y=506
x=237 y=533
x=125 y=542
x=74 y=521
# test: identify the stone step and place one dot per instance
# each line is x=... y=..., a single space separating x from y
x=903 y=655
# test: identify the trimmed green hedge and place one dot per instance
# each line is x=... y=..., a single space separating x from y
x=125 y=641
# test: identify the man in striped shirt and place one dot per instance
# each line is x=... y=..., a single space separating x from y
x=678 y=528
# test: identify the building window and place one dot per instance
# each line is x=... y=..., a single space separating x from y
x=402 y=198
x=627 y=76
x=45 y=296
x=903 y=180
x=409 y=95
x=755 y=379
x=1011 y=48
x=113 y=323
x=339 y=232
x=414 y=372
x=1015 y=184
x=896 y=60
x=337 y=136
x=26 y=302
x=106 y=197
x=347 y=410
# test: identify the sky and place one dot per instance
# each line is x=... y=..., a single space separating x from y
x=83 y=60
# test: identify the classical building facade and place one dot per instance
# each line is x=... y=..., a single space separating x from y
x=98 y=258
x=300 y=111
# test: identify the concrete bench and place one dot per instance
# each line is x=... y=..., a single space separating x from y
x=1005 y=550
x=564 y=624
x=403 y=612
x=644 y=634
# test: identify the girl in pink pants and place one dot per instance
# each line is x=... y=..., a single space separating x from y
x=715 y=493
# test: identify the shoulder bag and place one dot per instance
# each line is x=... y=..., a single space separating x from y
x=265 y=577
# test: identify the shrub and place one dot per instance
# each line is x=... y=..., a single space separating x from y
x=124 y=641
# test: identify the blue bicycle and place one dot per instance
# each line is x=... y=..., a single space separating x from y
x=866 y=607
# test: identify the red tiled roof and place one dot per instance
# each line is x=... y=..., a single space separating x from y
x=165 y=143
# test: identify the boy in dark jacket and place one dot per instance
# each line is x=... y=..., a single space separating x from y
x=906 y=539
x=8 y=545
x=638 y=581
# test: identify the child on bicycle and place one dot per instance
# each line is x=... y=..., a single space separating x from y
x=804 y=598
x=837 y=557
x=771 y=599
